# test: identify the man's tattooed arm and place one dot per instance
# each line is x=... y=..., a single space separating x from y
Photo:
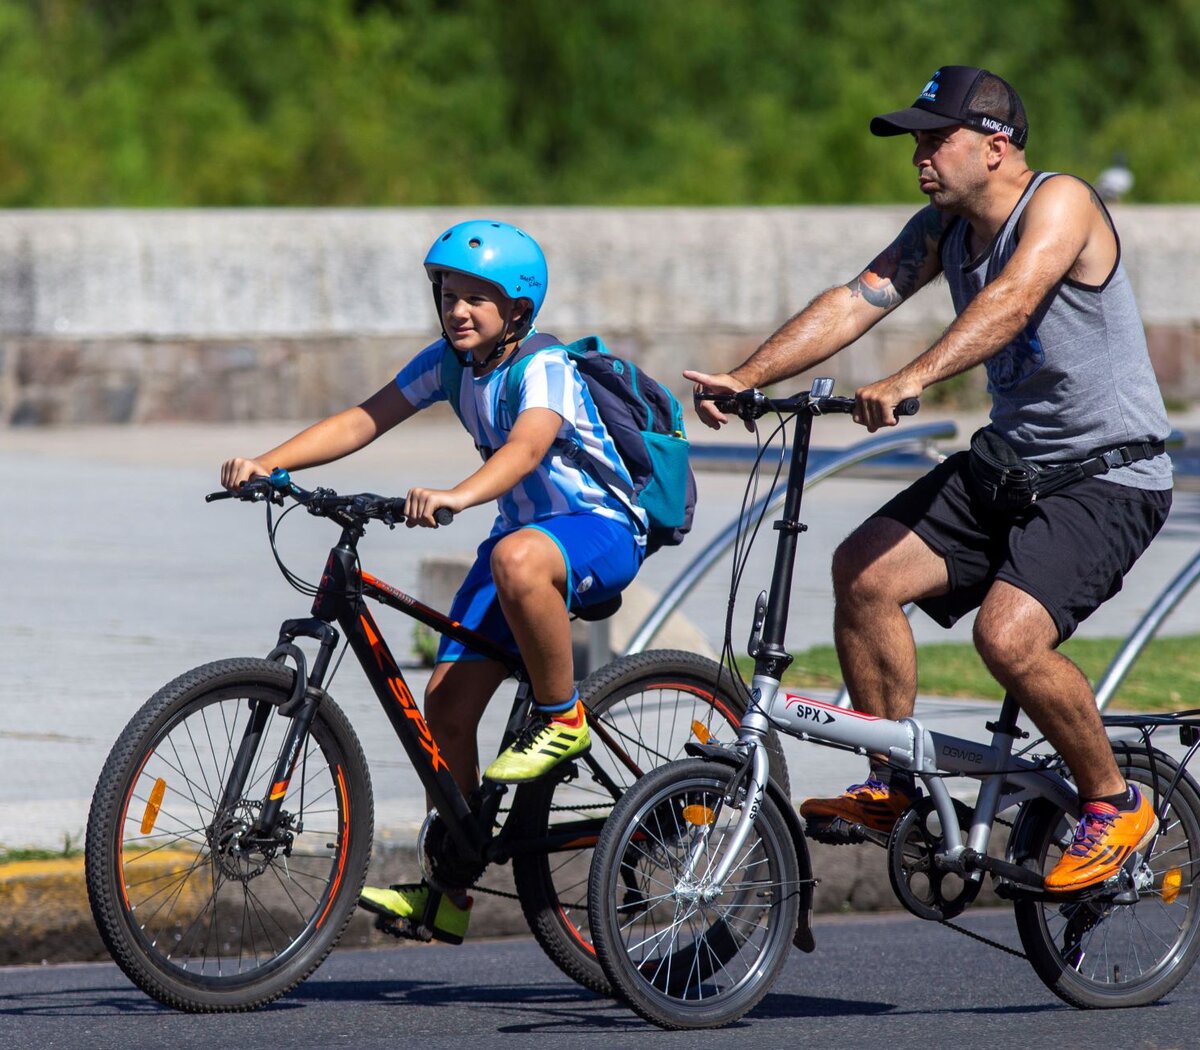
x=905 y=265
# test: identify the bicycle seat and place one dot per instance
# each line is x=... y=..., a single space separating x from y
x=599 y=611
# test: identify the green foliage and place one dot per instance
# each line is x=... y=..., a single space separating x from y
x=393 y=102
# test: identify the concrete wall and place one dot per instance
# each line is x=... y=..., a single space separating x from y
x=118 y=316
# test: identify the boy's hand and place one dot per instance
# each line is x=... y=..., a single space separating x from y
x=713 y=384
x=236 y=471
x=420 y=505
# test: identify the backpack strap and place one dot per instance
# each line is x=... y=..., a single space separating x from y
x=572 y=451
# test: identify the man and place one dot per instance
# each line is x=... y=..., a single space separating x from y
x=1042 y=301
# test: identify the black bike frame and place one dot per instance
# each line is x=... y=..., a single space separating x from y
x=340 y=599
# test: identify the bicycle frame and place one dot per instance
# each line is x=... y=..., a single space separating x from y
x=1005 y=779
x=340 y=599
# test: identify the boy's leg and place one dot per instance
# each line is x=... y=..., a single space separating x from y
x=531 y=583
x=539 y=571
x=455 y=699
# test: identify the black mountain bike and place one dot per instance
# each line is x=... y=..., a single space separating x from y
x=231 y=827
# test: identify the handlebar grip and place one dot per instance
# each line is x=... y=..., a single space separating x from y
x=443 y=515
x=910 y=406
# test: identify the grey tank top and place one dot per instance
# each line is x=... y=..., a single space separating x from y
x=1078 y=380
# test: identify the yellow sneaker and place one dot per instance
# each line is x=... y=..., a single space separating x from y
x=541 y=746
x=407 y=905
x=1104 y=838
x=874 y=805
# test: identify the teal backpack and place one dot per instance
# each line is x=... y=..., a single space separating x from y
x=642 y=417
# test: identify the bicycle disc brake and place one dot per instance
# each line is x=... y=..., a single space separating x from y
x=919 y=884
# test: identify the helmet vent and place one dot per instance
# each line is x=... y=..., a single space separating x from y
x=474 y=242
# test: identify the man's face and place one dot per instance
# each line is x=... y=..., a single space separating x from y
x=951 y=166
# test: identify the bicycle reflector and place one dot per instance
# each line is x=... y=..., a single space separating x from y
x=698 y=816
x=153 y=804
x=1171 y=884
x=701 y=731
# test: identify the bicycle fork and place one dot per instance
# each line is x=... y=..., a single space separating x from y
x=300 y=708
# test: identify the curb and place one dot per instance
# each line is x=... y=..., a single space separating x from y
x=45 y=916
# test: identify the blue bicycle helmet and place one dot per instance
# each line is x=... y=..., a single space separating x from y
x=494 y=252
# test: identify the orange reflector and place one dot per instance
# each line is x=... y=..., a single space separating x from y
x=701 y=731
x=153 y=805
x=1171 y=884
x=697 y=815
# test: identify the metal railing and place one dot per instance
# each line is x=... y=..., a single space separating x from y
x=823 y=463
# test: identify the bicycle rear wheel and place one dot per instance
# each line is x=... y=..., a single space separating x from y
x=1096 y=953
x=194 y=912
x=643 y=710
x=682 y=952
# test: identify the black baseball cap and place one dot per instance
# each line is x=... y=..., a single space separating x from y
x=961 y=95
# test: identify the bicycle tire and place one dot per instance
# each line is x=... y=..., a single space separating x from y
x=630 y=698
x=192 y=918
x=1097 y=955
x=681 y=954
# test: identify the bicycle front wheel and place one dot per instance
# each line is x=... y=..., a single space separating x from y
x=643 y=709
x=683 y=951
x=1100 y=953
x=198 y=909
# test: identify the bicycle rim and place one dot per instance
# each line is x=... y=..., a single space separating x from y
x=683 y=952
x=643 y=710
x=203 y=907
x=1103 y=954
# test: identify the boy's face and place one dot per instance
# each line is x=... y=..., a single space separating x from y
x=475 y=313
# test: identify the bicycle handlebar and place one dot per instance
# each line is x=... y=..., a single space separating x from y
x=325 y=503
x=753 y=404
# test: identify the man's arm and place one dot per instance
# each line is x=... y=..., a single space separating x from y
x=838 y=316
x=1056 y=227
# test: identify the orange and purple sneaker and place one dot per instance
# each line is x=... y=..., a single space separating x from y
x=1104 y=839
x=874 y=805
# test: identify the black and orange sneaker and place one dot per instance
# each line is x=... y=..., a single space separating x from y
x=875 y=805
x=1104 y=839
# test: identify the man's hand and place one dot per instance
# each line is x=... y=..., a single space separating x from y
x=874 y=405
x=718 y=384
x=420 y=505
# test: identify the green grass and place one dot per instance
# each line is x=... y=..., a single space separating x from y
x=1165 y=677
x=71 y=847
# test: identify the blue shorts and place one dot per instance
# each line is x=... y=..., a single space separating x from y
x=602 y=557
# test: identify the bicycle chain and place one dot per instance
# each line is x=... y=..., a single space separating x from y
x=978 y=936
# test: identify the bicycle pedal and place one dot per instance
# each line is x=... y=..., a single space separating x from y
x=839 y=832
x=403 y=929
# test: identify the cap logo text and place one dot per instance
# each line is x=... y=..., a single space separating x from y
x=995 y=125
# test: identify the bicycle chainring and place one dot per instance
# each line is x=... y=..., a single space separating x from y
x=920 y=885
x=442 y=864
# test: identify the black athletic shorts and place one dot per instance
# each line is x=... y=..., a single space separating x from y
x=1070 y=550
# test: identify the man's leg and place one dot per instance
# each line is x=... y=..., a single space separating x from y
x=1016 y=636
x=880 y=567
x=877 y=570
x=1017 y=639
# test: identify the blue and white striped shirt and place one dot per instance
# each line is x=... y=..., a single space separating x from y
x=550 y=381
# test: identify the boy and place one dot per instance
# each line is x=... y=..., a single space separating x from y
x=560 y=540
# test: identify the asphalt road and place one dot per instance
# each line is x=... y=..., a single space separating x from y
x=884 y=981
